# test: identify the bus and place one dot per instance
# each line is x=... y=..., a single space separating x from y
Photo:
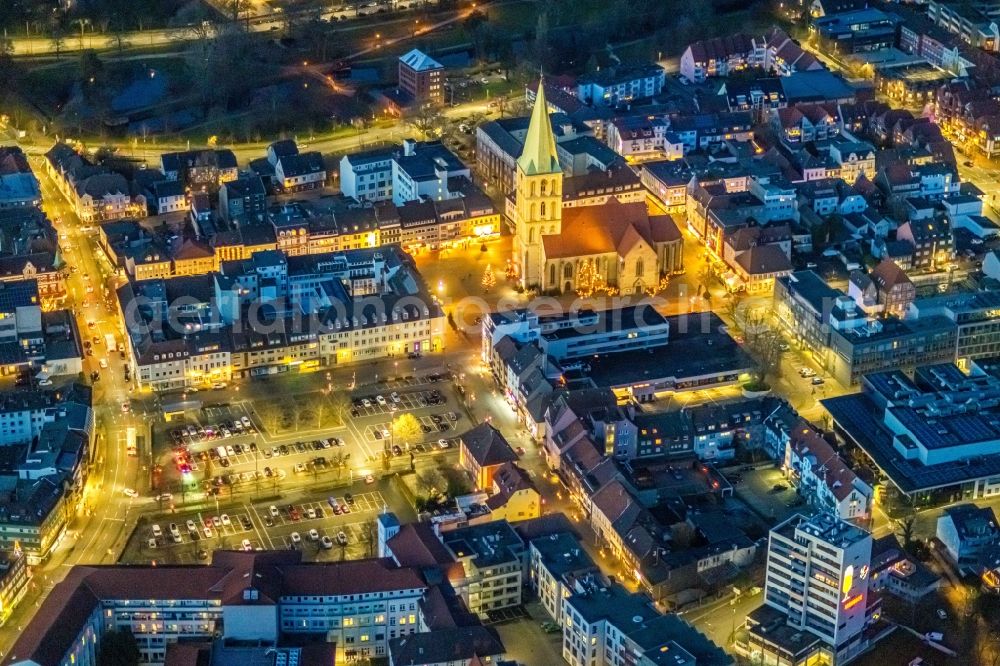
x=109 y=340
x=130 y=446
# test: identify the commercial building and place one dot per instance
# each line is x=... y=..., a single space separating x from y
x=13 y=581
x=44 y=460
x=273 y=313
x=933 y=436
x=817 y=581
x=857 y=31
x=976 y=317
x=847 y=343
x=421 y=77
x=250 y=597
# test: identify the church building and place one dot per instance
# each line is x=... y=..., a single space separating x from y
x=613 y=243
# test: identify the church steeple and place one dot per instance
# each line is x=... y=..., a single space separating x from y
x=539 y=154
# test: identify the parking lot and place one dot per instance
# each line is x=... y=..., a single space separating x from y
x=340 y=525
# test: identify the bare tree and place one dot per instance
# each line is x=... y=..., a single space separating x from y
x=58 y=40
x=733 y=308
x=764 y=346
x=368 y=537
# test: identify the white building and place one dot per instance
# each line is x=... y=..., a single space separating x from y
x=555 y=564
x=605 y=625
x=817 y=577
x=359 y=605
x=367 y=176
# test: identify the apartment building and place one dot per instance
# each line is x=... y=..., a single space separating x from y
x=817 y=578
x=615 y=85
x=975 y=22
x=555 y=563
x=492 y=557
x=254 y=597
x=605 y=625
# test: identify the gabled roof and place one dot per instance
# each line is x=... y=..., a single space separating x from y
x=888 y=274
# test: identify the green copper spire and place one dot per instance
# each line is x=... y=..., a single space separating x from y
x=539 y=154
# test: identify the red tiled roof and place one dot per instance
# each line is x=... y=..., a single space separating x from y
x=610 y=227
x=416 y=545
x=888 y=274
x=721 y=48
x=51 y=633
x=827 y=465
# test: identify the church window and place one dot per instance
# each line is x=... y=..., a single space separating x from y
x=568 y=271
x=531 y=235
x=532 y=188
x=552 y=274
x=544 y=184
x=639 y=268
x=543 y=208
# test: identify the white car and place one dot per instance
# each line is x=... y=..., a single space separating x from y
x=395 y=396
x=313 y=535
x=225 y=519
x=157 y=531
x=366 y=402
x=273 y=510
x=245 y=421
x=151 y=543
x=230 y=451
x=191 y=526
x=207 y=531
x=296 y=538
x=310 y=513
x=130 y=492
x=341 y=538
x=380 y=399
x=104 y=363
x=247 y=546
x=326 y=542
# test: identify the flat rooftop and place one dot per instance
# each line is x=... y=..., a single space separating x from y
x=697 y=349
